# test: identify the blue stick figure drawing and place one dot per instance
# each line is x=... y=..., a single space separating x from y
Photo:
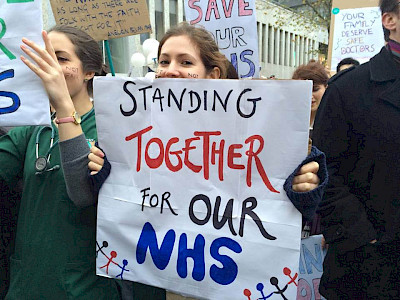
x=124 y=263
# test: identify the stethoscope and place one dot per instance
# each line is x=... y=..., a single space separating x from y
x=42 y=163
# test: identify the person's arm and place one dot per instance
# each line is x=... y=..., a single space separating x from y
x=343 y=217
x=81 y=173
x=305 y=186
x=74 y=159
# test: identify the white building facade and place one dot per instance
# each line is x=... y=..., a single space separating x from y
x=285 y=39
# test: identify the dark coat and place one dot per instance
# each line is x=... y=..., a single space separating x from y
x=358 y=128
x=9 y=205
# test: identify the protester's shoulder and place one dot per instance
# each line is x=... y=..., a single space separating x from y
x=340 y=74
x=349 y=75
x=21 y=132
x=22 y=129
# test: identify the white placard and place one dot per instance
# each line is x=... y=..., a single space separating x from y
x=310 y=268
x=200 y=164
x=23 y=100
x=357 y=34
x=234 y=27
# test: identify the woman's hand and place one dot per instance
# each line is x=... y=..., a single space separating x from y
x=306 y=179
x=49 y=71
x=96 y=160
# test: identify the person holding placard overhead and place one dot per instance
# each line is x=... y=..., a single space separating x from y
x=358 y=128
x=190 y=52
x=55 y=247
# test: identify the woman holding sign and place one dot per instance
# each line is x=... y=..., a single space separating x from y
x=190 y=52
x=54 y=255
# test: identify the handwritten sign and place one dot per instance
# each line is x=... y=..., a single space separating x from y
x=310 y=269
x=357 y=33
x=103 y=20
x=234 y=27
x=195 y=202
x=23 y=100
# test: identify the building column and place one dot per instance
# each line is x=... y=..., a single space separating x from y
x=180 y=11
x=166 y=15
x=297 y=47
x=259 y=40
x=277 y=46
x=265 y=43
x=271 y=45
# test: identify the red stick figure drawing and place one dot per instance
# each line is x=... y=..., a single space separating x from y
x=247 y=293
x=287 y=272
x=113 y=255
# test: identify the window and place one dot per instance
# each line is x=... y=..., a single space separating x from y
x=159 y=14
x=173 y=12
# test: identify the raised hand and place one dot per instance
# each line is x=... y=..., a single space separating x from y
x=46 y=66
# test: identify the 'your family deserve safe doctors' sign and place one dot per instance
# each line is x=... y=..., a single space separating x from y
x=357 y=33
x=194 y=202
x=234 y=27
x=23 y=100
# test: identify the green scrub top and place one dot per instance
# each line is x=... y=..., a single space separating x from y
x=55 y=249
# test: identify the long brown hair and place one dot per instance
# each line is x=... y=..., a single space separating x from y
x=204 y=41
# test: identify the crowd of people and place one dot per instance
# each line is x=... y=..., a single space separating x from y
x=50 y=176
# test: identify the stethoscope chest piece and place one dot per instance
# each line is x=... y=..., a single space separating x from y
x=41 y=164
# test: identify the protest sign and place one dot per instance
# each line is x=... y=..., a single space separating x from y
x=103 y=20
x=234 y=27
x=356 y=31
x=195 y=202
x=310 y=268
x=23 y=100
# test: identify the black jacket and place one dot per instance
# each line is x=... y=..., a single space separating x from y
x=358 y=128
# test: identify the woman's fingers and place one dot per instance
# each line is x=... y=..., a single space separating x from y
x=39 y=72
x=96 y=151
x=304 y=187
x=42 y=53
x=94 y=168
x=43 y=62
x=312 y=167
x=306 y=178
x=49 y=46
x=96 y=160
x=42 y=65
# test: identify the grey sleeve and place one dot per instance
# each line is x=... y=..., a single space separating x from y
x=74 y=162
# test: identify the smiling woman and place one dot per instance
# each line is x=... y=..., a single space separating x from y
x=190 y=52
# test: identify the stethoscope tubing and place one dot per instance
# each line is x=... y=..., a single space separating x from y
x=52 y=143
